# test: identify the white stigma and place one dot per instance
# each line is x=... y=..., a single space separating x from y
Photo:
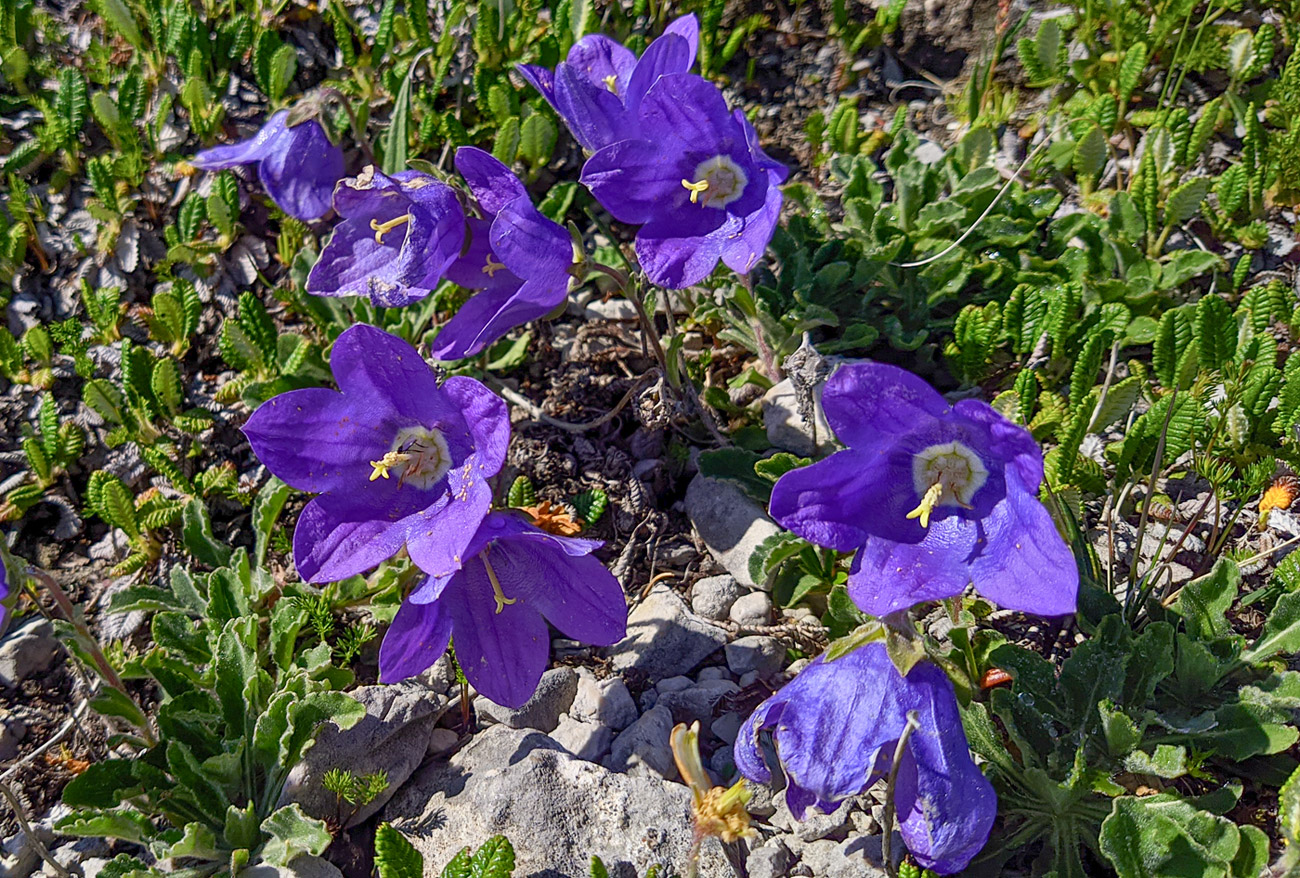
x=716 y=182
x=948 y=474
x=420 y=457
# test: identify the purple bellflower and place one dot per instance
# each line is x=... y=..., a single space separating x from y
x=520 y=262
x=695 y=179
x=836 y=727
x=933 y=497
x=397 y=459
x=515 y=579
x=398 y=236
x=5 y=597
x=298 y=165
x=597 y=90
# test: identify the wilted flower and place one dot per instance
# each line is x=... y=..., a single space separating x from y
x=514 y=580
x=695 y=179
x=836 y=726
x=598 y=88
x=398 y=236
x=397 y=459
x=518 y=259
x=298 y=165
x=931 y=496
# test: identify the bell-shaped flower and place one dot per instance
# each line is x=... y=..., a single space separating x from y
x=514 y=580
x=396 y=458
x=933 y=497
x=597 y=90
x=695 y=179
x=521 y=263
x=6 y=598
x=836 y=727
x=298 y=165
x=397 y=238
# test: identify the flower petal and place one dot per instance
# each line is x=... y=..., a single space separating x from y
x=493 y=184
x=417 y=637
x=688 y=28
x=595 y=115
x=333 y=541
x=1024 y=564
x=597 y=57
x=682 y=249
x=318 y=440
x=742 y=250
x=869 y=404
x=487 y=419
x=351 y=259
x=888 y=575
x=470 y=269
x=692 y=110
x=299 y=173
x=576 y=594
x=434 y=237
x=540 y=78
x=372 y=364
x=635 y=180
x=438 y=536
x=502 y=654
x=254 y=149
x=530 y=245
x=490 y=314
x=1007 y=440
x=668 y=54
x=778 y=171
x=839 y=501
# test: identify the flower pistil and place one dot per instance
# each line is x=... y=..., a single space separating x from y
x=382 y=228
x=419 y=454
x=491 y=267
x=719 y=179
x=947 y=474
x=498 y=594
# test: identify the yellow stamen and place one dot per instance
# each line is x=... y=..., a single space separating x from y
x=497 y=594
x=928 y=502
x=381 y=228
x=611 y=83
x=387 y=462
x=491 y=268
x=696 y=189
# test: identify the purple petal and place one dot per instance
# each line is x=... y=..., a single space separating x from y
x=372 y=364
x=635 y=180
x=332 y=542
x=415 y=640
x=490 y=314
x=597 y=57
x=668 y=54
x=595 y=116
x=468 y=270
x=1007 y=440
x=254 y=149
x=742 y=252
x=888 y=576
x=435 y=235
x=692 y=110
x=439 y=536
x=869 y=404
x=1025 y=565
x=353 y=263
x=778 y=171
x=838 y=502
x=492 y=183
x=487 y=418
x=540 y=78
x=682 y=249
x=688 y=28
x=317 y=440
x=531 y=246
x=576 y=594
x=747 y=751
x=502 y=654
x=299 y=173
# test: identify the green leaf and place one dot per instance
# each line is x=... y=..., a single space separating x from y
x=1185 y=201
x=1130 y=72
x=266 y=510
x=506 y=144
x=236 y=666
x=196 y=530
x=1166 y=761
x=116 y=13
x=1090 y=154
x=166 y=384
x=1204 y=602
x=495 y=858
x=1281 y=632
x=395 y=857
x=537 y=139
x=126 y=825
x=101 y=785
x=283 y=66
x=397 y=139
x=521 y=493
x=293 y=833
x=306 y=715
x=1165 y=837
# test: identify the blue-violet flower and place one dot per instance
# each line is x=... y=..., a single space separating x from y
x=836 y=727
x=597 y=90
x=695 y=179
x=933 y=497
x=397 y=238
x=515 y=579
x=298 y=165
x=397 y=459
x=519 y=260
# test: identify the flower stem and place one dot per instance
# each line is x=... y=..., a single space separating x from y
x=21 y=814
x=887 y=823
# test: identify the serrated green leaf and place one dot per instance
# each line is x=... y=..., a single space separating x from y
x=395 y=857
x=293 y=833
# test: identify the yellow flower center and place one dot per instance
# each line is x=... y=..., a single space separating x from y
x=611 y=83
x=491 y=267
x=947 y=474
x=419 y=455
x=497 y=594
x=382 y=228
x=719 y=180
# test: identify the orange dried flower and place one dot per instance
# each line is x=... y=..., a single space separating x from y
x=65 y=760
x=554 y=518
x=994 y=677
x=1279 y=495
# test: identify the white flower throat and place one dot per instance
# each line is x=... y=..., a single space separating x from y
x=948 y=474
x=716 y=182
x=420 y=457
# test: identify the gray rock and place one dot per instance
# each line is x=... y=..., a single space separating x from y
x=442 y=741
x=27 y=650
x=755 y=654
x=713 y=596
x=714 y=672
x=729 y=522
x=301 y=866
x=586 y=740
x=607 y=702
x=816 y=825
x=727 y=726
x=771 y=859
x=12 y=732
x=664 y=638
x=674 y=684
x=645 y=745
x=697 y=703
x=392 y=737
x=555 y=692
x=556 y=809
x=723 y=765
x=752 y=609
x=786 y=428
x=613 y=309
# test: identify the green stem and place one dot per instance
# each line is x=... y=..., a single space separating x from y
x=887 y=821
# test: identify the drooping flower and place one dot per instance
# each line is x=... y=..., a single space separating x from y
x=933 y=497
x=695 y=179
x=298 y=165
x=836 y=727
x=520 y=262
x=6 y=604
x=398 y=237
x=514 y=580
x=597 y=90
x=397 y=459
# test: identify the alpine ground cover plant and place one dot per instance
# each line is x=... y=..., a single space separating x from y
x=1000 y=369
